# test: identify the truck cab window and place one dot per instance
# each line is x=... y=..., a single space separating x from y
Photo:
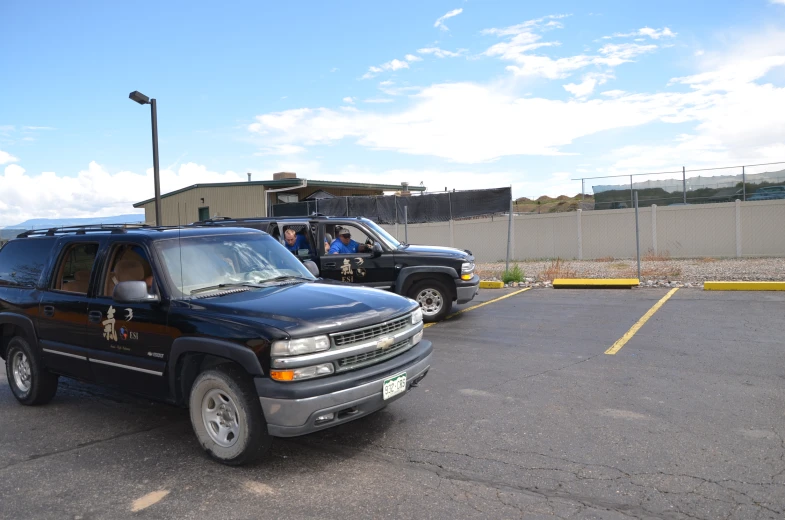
x=76 y=266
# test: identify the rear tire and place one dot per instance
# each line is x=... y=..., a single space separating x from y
x=227 y=416
x=434 y=299
x=31 y=383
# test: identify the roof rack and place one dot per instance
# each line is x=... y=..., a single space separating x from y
x=82 y=230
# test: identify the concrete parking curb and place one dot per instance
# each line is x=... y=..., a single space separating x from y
x=595 y=283
x=487 y=284
x=744 y=286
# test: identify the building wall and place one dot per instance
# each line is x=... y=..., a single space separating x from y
x=741 y=229
x=234 y=201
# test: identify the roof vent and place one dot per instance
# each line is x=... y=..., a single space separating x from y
x=284 y=175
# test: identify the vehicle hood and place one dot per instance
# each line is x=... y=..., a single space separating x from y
x=443 y=252
x=306 y=309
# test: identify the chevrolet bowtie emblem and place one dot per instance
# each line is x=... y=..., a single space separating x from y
x=384 y=343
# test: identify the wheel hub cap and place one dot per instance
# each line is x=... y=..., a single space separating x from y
x=21 y=369
x=220 y=417
x=430 y=301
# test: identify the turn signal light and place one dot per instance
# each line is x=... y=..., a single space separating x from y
x=467 y=276
x=282 y=375
x=299 y=374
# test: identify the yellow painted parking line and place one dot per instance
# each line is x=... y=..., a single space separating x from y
x=743 y=286
x=630 y=333
x=483 y=304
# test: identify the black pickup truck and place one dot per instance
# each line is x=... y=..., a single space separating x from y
x=433 y=276
x=224 y=321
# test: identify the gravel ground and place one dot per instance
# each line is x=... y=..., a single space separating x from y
x=657 y=273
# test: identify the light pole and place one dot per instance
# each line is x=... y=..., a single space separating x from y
x=144 y=100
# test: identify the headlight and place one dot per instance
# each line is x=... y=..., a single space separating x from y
x=295 y=347
x=417 y=317
x=467 y=267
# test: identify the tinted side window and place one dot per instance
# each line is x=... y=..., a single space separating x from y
x=73 y=274
x=22 y=261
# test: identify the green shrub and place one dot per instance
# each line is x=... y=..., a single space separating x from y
x=513 y=275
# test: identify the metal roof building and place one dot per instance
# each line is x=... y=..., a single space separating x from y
x=253 y=198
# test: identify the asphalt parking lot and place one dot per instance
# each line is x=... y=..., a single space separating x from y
x=522 y=415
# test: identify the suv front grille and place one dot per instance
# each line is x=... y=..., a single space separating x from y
x=346 y=339
x=370 y=357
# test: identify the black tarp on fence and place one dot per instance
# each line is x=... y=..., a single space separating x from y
x=389 y=209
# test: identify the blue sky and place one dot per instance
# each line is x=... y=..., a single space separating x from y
x=496 y=93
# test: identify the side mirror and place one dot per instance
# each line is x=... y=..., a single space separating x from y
x=377 y=249
x=311 y=266
x=133 y=292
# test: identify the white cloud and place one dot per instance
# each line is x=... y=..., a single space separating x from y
x=411 y=57
x=349 y=100
x=280 y=149
x=780 y=2
x=378 y=100
x=441 y=53
x=390 y=65
x=91 y=192
x=522 y=39
x=654 y=34
x=473 y=123
x=587 y=86
x=39 y=128
x=6 y=158
x=440 y=21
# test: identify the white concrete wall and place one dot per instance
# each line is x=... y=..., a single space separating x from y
x=702 y=230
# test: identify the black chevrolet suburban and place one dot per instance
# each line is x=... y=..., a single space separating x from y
x=433 y=276
x=224 y=321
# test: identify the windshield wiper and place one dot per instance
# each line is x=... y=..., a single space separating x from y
x=286 y=277
x=221 y=286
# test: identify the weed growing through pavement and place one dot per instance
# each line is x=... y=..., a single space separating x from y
x=513 y=275
x=557 y=269
x=651 y=256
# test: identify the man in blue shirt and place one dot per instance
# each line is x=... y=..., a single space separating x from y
x=344 y=245
x=295 y=242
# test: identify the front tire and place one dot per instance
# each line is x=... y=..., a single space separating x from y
x=227 y=417
x=434 y=299
x=31 y=383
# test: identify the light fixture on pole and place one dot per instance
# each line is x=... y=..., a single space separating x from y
x=144 y=100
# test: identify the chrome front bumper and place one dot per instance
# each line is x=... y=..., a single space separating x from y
x=293 y=417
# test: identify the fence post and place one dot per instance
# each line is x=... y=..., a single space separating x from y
x=738 y=228
x=654 y=228
x=684 y=183
x=580 y=235
x=509 y=235
x=406 y=224
x=743 y=184
x=452 y=234
x=395 y=201
x=637 y=236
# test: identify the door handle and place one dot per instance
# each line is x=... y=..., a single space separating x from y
x=330 y=264
x=95 y=316
x=49 y=311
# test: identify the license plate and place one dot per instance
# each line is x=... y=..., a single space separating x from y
x=394 y=385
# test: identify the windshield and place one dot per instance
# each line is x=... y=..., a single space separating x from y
x=195 y=264
x=383 y=234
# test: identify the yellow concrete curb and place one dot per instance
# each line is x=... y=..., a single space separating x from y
x=744 y=286
x=595 y=283
x=491 y=285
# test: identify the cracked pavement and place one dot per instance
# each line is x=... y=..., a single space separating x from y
x=521 y=416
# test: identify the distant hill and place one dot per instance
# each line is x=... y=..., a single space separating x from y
x=41 y=223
